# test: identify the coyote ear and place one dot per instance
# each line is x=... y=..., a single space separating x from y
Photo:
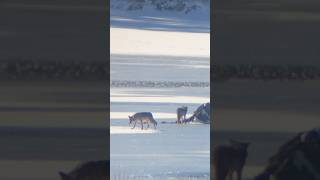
x=64 y=176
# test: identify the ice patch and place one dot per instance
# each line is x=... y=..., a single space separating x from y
x=129 y=130
x=168 y=99
x=157 y=115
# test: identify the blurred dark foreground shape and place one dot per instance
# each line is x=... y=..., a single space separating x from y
x=54 y=86
x=229 y=159
x=93 y=170
x=297 y=159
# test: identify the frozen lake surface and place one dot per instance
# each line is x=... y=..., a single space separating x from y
x=159 y=68
x=171 y=151
x=165 y=49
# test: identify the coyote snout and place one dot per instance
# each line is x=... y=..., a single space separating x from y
x=228 y=159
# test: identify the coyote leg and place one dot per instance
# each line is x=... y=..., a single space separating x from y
x=134 y=125
x=179 y=119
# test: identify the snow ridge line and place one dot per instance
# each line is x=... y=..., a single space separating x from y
x=167 y=84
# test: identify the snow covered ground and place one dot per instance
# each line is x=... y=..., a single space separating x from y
x=170 y=151
x=155 y=46
x=160 y=33
x=159 y=68
x=129 y=41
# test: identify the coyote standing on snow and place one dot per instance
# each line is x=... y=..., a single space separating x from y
x=143 y=118
x=228 y=159
x=92 y=170
x=181 y=113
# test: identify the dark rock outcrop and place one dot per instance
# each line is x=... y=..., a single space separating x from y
x=201 y=114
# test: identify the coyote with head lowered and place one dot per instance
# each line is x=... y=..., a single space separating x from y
x=142 y=118
x=228 y=159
